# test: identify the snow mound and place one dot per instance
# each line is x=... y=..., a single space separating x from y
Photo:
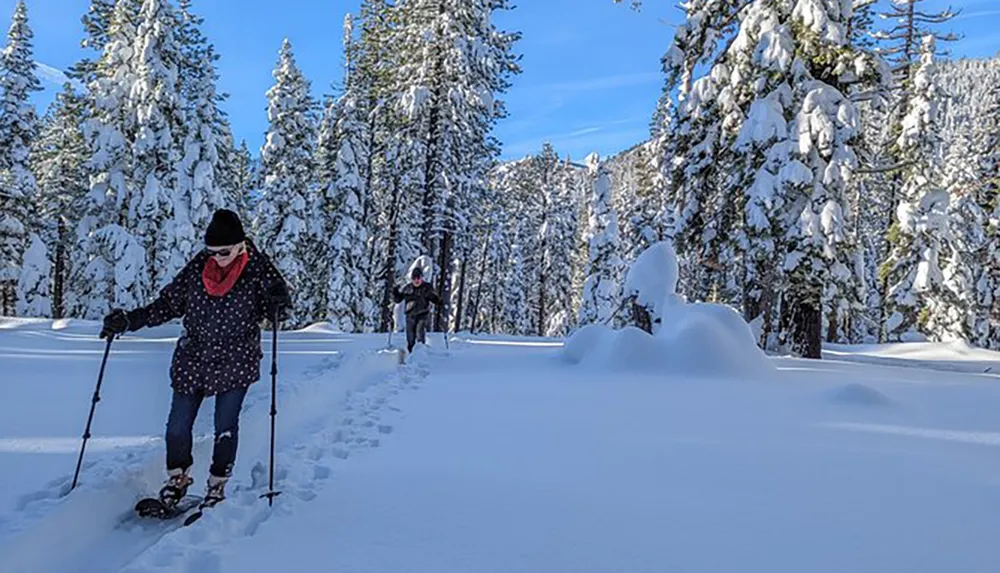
x=586 y=341
x=859 y=395
x=652 y=280
x=713 y=340
x=695 y=340
x=321 y=328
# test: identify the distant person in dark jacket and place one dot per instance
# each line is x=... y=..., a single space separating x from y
x=223 y=294
x=418 y=296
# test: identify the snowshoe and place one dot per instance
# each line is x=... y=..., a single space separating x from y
x=167 y=504
x=153 y=508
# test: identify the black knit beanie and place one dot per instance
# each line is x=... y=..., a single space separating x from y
x=224 y=230
x=417 y=273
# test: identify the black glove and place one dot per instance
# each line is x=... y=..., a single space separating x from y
x=115 y=324
x=277 y=300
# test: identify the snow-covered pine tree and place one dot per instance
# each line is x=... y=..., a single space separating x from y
x=59 y=158
x=772 y=112
x=988 y=136
x=33 y=287
x=348 y=307
x=516 y=320
x=659 y=155
x=159 y=213
x=109 y=262
x=901 y=46
x=961 y=311
x=559 y=235
x=18 y=127
x=913 y=270
x=245 y=178
x=457 y=64
x=903 y=43
x=95 y=24
x=202 y=175
x=822 y=265
x=646 y=215
x=287 y=156
x=602 y=288
x=204 y=180
x=394 y=170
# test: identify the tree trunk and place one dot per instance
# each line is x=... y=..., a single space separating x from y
x=482 y=280
x=832 y=326
x=462 y=268
x=806 y=328
x=641 y=317
x=59 y=273
x=493 y=309
x=433 y=168
x=7 y=298
x=389 y=268
x=443 y=310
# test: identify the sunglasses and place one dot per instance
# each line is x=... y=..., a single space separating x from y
x=221 y=253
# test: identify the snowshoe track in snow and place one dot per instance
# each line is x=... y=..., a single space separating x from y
x=326 y=413
x=302 y=470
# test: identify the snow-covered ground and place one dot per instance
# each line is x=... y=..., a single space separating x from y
x=501 y=455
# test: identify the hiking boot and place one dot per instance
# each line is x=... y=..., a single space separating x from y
x=215 y=491
x=176 y=487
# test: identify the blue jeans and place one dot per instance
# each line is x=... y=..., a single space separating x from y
x=184 y=410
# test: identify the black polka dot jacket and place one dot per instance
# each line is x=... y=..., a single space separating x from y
x=220 y=347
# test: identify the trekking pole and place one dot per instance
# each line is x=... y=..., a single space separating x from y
x=271 y=494
x=93 y=408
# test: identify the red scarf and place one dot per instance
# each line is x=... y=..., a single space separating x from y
x=218 y=280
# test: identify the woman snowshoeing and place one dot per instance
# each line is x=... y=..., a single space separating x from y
x=222 y=294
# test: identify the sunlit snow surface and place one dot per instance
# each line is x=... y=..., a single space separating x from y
x=500 y=455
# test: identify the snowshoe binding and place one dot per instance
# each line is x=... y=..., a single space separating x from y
x=215 y=493
x=172 y=499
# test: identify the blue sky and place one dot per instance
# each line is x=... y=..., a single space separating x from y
x=591 y=67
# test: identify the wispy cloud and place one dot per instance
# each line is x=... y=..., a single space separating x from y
x=981 y=46
x=53 y=76
x=977 y=14
x=598 y=84
x=582 y=141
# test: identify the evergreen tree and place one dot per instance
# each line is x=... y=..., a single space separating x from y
x=516 y=320
x=18 y=126
x=159 y=214
x=455 y=63
x=33 y=287
x=286 y=158
x=645 y=213
x=559 y=234
x=602 y=288
x=913 y=270
x=349 y=307
x=208 y=165
x=202 y=173
x=109 y=262
x=901 y=46
x=96 y=22
x=903 y=43
x=770 y=228
x=986 y=145
x=245 y=177
x=59 y=159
